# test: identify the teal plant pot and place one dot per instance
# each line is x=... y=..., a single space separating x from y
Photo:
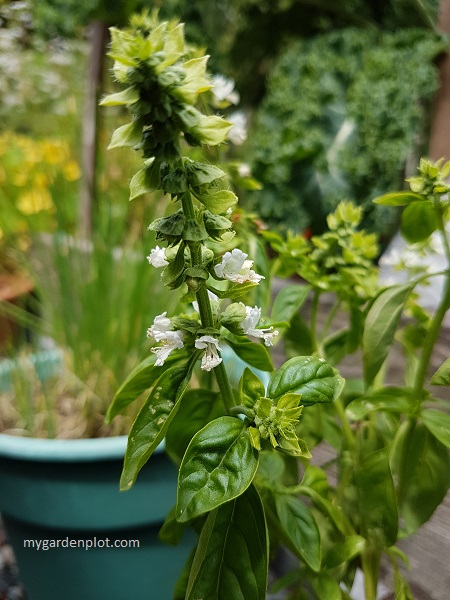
x=67 y=490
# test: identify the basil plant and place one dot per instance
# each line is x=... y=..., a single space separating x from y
x=226 y=441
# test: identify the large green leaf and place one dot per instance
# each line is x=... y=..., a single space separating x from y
x=288 y=302
x=140 y=379
x=231 y=560
x=423 y=464
x=376 y=500
x=219 y=465
x=418 y=221
x=379 y=329
x=300 y=527
x=309 y=376
x=438 y=423
x=153 y=419
x=253 y=353
x=197 y=408
x=442 y=375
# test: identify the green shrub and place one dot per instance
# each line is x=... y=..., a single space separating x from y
x=343 y=110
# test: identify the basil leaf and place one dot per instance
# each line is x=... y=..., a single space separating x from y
x=231 y=560
x=379 y=328
x=418 y=221
x=153 y=419
x=389 y=399
x=253 y=353
x=376 y=500
x=219 y=465
x=309 y=376
x=425 y=473
x=341 y=552
x=398 y=199
x=197 y=408
x=288 y=302
x=438 y=423
x=300 y=527
x=140 y=379
x=251 y=388
x=442 y=375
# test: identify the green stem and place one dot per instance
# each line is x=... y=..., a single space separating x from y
x=204 y=307
x=438 y=317
x=370 y=563
x=314 y=311
x=330 y=318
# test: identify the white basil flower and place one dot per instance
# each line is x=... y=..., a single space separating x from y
x=236 y=268
x=253 y=315
x=223 y=89
x=172 y=341
x=161 y=325
x=238 y=133
x=157 y=257
x=211 y=356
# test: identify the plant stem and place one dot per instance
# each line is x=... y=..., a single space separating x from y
x=436 y=322
x=370 y=563
x=330 y=318
x=204 y=307
x=314 y=311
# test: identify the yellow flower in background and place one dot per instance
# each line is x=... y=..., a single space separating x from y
x=55 y=151
x=71 y=170
x=34 y=201
x=42 y=180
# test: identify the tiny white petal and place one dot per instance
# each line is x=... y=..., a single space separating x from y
x=250 y=322
x=238 y=133
x=161 y=325
x=157 y=257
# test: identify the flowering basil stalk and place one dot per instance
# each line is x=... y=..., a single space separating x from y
x=215 y=436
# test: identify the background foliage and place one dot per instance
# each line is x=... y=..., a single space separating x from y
x=338 y=122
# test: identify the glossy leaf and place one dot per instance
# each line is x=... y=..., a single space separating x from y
x=152 y=421
x=376 y=500
x=140 y=379
x=379 y=329
x=438 y=423
x=300 y=527
x=254 y=354
x=309 y=376
x=234 y=291
x=219 y=465
x=418 y=221
x=231 y=560
x=389 y=399
x=425 y=466
x=197 y=408
x=442 y=375
x=288 y=302
x=398 y=199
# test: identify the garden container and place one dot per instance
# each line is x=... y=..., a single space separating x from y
x=66 y=493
